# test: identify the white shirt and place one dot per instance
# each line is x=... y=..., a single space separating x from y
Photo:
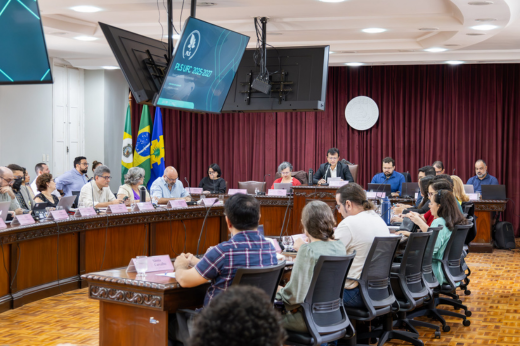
x=35 y=190
x=334 y=172
x=357 y=233
x=100 y=195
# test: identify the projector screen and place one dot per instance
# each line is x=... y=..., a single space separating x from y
x=204 y=65
x=23 y=53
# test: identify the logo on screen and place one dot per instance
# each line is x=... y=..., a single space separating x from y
x=191 y=45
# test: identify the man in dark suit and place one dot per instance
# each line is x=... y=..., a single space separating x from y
x=333 y=168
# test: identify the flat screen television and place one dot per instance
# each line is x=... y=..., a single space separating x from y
x=23 y=52
x=203 y=68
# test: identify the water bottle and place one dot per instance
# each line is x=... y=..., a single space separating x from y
x=142 y=195
x=385 y=210
x=310 y=181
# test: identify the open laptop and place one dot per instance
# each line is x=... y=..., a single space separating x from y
x=67 y=202
x=386 y=188
x=4 y=210
x=497 y=192
x=283 y=186
x=469 y=189
x=409 y=189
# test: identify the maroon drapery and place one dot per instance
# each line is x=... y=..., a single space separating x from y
x=456 y=114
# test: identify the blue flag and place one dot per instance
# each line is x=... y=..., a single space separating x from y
x=157 y=149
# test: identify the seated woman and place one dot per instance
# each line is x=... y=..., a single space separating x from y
x=213 y=183
x=423 y=206
x=133 y=182
x=444 y=207
x=318 y=225
x=46 y=185
x=458 y=190
x=94 y=166
x=285 y=170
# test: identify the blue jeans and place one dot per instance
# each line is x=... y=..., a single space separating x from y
x=352 y=298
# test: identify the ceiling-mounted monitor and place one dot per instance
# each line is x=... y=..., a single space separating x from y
x=23 y=53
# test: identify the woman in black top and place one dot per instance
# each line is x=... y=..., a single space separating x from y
x=46 y=185
x=213 y=183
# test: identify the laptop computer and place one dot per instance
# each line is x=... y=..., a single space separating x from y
x=409 y=189
x=67 y=202
x=469 y=189
x=386 y=188
x=4 y=210
x=496 y=192
x=75 y=193
x=283 y=186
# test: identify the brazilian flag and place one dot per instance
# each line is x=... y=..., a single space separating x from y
x=143 y=143
x=157 y=149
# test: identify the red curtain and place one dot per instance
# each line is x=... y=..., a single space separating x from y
x=456 y=114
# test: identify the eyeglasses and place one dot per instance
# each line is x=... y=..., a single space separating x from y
x=337 y=207
x=213 y=172
x=170 y=180
x=106 y=177
x=431 y=194
x=8 y=181
x=333 y=158
x=85 y=164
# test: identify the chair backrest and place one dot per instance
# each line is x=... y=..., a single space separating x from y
x=410 y=275
x=469 y=209
x=323 y=305
x=375 y=277
x=353 y=169
x=407 y=177
x=428 y=274
x=250 y=186
x=265 y=278
x=451 y=261
x=300 y=175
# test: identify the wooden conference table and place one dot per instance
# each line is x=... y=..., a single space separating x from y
x=47 y=258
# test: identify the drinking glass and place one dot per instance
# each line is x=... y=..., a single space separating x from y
x=221 y=199
x=256 y=191
x=141 y=265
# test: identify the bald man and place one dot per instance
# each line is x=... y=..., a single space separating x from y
x=169 y=187
x=6 y=193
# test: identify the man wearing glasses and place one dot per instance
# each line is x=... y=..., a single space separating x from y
x=332 y=169
x=6 y=193
x=97 y=193
x=74 y=179
x=169 y=187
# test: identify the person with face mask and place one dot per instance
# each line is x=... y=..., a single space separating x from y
x=74 y=179
x=390 y=176
x=360 y=225
x=482 y=177
x=21 y=192
x=6 y=192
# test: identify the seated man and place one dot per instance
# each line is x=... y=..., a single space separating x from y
x=40 y=169
x=332 y=169
x=169 y=187
x=74 y=179
x=439 y=167
x=21 y=192
x=361 y=224
x=6 y=192
x=246 y=248
x=390 y=176
x=97 y=193
x=482 y=177
x=253 y=322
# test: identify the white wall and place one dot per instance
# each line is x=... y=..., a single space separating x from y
x=94 y=117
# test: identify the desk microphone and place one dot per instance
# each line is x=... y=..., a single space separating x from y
x=453 y=171
x=325 y=176
x=377 y=190
x=203 y=224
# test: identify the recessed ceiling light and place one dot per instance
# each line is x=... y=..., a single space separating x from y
x=428 y=29
x=479 y=3
x=485 y=20
x=332 y=0
x=331 y=52
x=484 y=27
x=86 y=9
x=353 y=64
x=110 y=67
x=374 y=30
x=475 y=34
x=86 y=38
x=454 y=62
x=435 y=50
x=205 y=4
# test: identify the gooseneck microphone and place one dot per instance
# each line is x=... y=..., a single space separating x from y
x=325 y=176
x=202 y=228
x=453 y=171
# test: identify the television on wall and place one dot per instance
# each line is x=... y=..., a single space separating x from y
x=23 y=52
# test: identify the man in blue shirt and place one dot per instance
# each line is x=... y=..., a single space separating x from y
x=169 y=187
x=482 y=177
x=74 y=179
x=389 y=176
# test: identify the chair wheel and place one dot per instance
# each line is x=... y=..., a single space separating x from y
x=456 y=297
x=466 y=323
x=446 y=329
x=467 y=292
x=437 y=334
x=468 y=313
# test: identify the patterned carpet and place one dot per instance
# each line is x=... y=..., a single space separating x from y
x=72 y=319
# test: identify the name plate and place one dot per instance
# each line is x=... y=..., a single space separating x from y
x=142 y=206
x=235 y=191
x=22 y=220
x=473 y=196
x=59 y=215
x=338 y=183
x=81 y=212
x=208 y=202
x=2 y=223
x=178 y=203
x=116 y=208
x=194 y=190
x=155 y=264
x=276 y=192
x=374 y=195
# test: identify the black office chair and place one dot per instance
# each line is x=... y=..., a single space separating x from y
x=374 y=285
x=323 y=309
x=266 y=278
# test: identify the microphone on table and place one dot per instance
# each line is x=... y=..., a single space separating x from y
x=407 y=195
x=265 y=187
x=325 y=176
x=202 y=228
x=187 y=182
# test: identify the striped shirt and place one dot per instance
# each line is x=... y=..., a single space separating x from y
x=244 y=249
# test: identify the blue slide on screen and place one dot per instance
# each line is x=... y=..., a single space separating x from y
x=203 y=68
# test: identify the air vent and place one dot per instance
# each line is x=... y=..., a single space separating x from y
x=451 y=45
x=480 y=3
x=484 y=20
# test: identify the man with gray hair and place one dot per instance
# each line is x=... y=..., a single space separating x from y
x=169 y=187
x=482 y=177
x=6 y=193
x=97 y=193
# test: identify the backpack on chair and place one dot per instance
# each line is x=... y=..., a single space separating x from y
x=504 y=236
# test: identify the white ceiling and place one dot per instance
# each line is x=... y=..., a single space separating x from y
x=304 y=23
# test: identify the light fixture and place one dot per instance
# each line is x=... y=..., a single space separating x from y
x=480 y=3
x=454 y=62
x=354 y=64
x=110 y=67
x=482 y=20
x=86 y=9
x=475 y=34
x=85 y=38
x=174 y=36
x=452 y=45
x=373 y=30
x=435 y=50
x=428 y=29
x=484 y=27
x=331 y=52
x=332 y=0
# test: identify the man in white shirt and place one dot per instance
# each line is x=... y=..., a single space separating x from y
x=41 y=168
x=361 y=224
x=97 y=193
